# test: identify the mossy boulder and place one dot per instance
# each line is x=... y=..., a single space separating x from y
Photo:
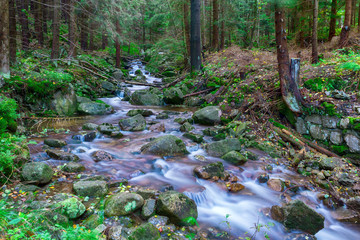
x=220 y=148
x=94 y=108
x=91 y=188
x=209 y=171
x=146 y=98
x=37 y=172
x=194 y=137
x=73 y=167
x=90 y=126
x=64 y=103
x=92 y=222
x=108 y=86
x=194 y=101
x=107 y=128
x=142 y=112
x=207 y=116
x=145 y=231
x=173 y=96
x=186 y=127
x=71 y=207
x=235 y=158
x=177 y=206
x=61 y=155
x=123 y=204
x=167 y=145
x=56 y=143
x=136 y=123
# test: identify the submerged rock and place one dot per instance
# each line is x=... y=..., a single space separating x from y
x=276 y=184
x=220 y=148
x=136 y=123
x=167 y=145
x=195 y=137
x=208 y=115
x=37 y=172
x=60 y=155
x=122 y=204
x=55 y=143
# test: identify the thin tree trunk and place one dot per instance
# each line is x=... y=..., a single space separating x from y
x=187 y=29
x=195 y=40
x=117 y=44
x=289 y=91
x=222 y=35
x=72 y=29
x=215 y=44
x=92 y=35
x=359 y=19
x=4 y=40
x=315 y=54
x=104 y=40
x=12 y=31
x=45 y=13
x=84 y=35
x=39 y=22
x=353 y=12
x=23 y=8
x=55 y=53
x=345 y=31
x=333 y=13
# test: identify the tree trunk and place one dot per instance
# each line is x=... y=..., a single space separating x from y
x=12 y=31
x=290 y=93
x=104 y=42
x=222 y=35
x=353 y=12
x=84 y=35
x=45 y=13
x=72 y=29
x=187 y=30
x=117 y=44
x=215 y=44
x=55 y=52
x=23 y=8
x=4 y=40
x=345 y=31
x=333 y=13
x=39 y=22
x=195 y=41
x=315 y=54
x=92 y=35
x=359 y=19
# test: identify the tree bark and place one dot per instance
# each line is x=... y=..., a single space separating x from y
x=72 y=29
x=333 y=14
x=84 y=35
x=4 y=40
x=345 y=31
x=222 y=35
x=359 y=19
x=92 y=35
x=187 y=28
x=315 y=54
x=117 y=44
x=55 y=52
x=104 y=42
x=12 y=31
x=290 y=93
x=215 y=44
x=39 y=22
x=23 y=8
x=195 y=40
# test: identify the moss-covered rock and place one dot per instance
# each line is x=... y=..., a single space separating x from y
x=73 y=167
x=71 y=207
x=167 y=145
x=220 y=148
x=186 y=127
x=208 y=115
x=90 y=126
x=55 y=143
x=61 y=155
x=136 y=123
x=37 y=172
x=91 y=188
x=146 y=98
x=94 y=108
x=146 y=231
x=209 y=171
x=235 y=158
x=123 y=204
x=142 y=112
x=173 y=96
x=194 y=137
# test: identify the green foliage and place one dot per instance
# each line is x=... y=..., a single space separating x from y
x=190 y=221
x=8 y=114
x=323 y=84
x=329 y=108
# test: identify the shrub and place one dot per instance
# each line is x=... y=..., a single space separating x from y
x=8 y=114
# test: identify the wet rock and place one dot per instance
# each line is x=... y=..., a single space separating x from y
x=277 y=213
x=136 y=173
x=167 y=145
x=180 y=120
x=116 y=233
x=235 y=158
x=200 y=158
x=144 y=97
x=123 y=204
x=220 y=148
x=118 y=75
x=116 y=134
x=235 y=187
x=91 y=188
x=60 y=155
x=207 y=116
x=148 y=209
x=136 y=123
x=145 y=231
x=194 y=101
x=186 y=127
x=195 y=137
x=101 y=156
x=177 y=206
x=263 y=178
x=159 y=127
x=275 y=184
x=93 y=108
x=210 y=171
x=37 y=172
x=147 y=193
x=92 y=222
x=353 y=203
x=73 y=167
x=173 y=96
x=56 y=143
x=162 y=116
x=85 y=136
x=71 y=207
x=90 y=126
x=108 y=86
x=142 y=112
x=346 y=215
x=300 y=236
x=107 y=128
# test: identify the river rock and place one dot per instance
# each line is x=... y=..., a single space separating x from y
x=177 y=206
x=73 y=167
x=195 y=137
x=275 y=184
x=90 y=126
x=101 y=156
x=85 y=136
x=173 y=96
x=209 y=171
x=346 y=215
x=82 y=99
x=37 y=172
x=149 y=208
x=56 y=143
x=186 y=127
x=235 y=187
x=235 y=158
x=145 y=231
x=300 y=236
x=207 y=116
x=92 y=222
x=64 y=104
x=194 y=101
x=107 y=128
x=71 y=207
x=108 y=86
x=61 y=155
x=167 y=145
x=159 y=127
x=93 y=108
x=122 y=204
x=159 y=220
x=353 y=203
x=143 y=112
x=136 y=123
x=91 y=188
x=162 y=116
x=144 y=97
x=116 y=233
x=220 y=148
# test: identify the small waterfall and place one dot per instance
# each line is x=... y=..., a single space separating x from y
x=200 y=198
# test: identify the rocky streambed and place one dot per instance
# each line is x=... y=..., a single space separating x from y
x=151 y=172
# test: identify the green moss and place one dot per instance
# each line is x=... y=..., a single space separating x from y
x=277 y=124
x=340 y=149
x=329 y=108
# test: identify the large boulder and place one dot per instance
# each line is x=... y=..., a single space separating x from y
x=144 y=97
x=235 y=158
x=55 y=143
x=108 y=86
x=145 y=231
x=207 y=116
x=209 y=171
x=173 y=96
x=136 y=123
x=123 y=204
x=297 y=215
x=93 y=108
x=37 y=172
x=73 y=167
x=64 y=103
x=220 y=148
x=177 y=206
x=71 y=208
x=61 y=155
x=118 y=75
x=167 y=145
x=91 y=188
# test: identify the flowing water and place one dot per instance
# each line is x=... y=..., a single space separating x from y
x=244 y=209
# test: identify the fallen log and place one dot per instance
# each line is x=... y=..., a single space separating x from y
x=288 y=138
x=198 y=93
x=174 y=82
